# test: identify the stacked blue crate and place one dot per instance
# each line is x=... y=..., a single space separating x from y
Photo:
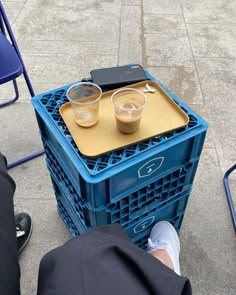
x=135 y=186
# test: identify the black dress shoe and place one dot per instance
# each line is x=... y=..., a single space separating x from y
x=23 y=230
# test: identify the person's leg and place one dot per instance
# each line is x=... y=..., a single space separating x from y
x=164 y=245
x=9 y=267
x=104 y=261
x=164 y=257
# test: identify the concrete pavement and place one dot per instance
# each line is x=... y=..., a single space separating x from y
x=190 y=46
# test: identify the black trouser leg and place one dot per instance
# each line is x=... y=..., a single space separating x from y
x=9 y=267
x=104 y=261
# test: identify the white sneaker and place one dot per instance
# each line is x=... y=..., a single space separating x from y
x=164 y=237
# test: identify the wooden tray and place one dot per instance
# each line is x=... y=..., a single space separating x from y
x=161 y=115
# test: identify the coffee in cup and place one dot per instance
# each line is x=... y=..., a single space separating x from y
x=128 y=105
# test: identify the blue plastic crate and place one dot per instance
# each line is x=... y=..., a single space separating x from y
x=137 y=226
x=108 y=178
x=165 y=198
x=71 y=220
x=166 y=185
x=69 y=223
x=160 y=191
x=105 y=180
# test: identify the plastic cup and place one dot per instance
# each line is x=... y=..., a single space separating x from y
x=128 y=106
x=84 y=98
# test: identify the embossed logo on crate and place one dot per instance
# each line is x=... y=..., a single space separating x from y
x=144 y=224
x=150 y=167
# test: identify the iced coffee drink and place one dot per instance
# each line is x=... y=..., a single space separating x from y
x=128 y=105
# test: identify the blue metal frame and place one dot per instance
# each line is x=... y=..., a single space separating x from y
x=5 y=23
x=2 y=29
x=12 y=100
x=5 y=28
x=25 y=159
x=229 y=196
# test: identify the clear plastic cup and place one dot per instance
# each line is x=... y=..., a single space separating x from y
x=128 y=106
x=84 y=98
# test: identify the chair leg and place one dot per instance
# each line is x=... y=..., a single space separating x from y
x=27 y=80
x=10 y=101
x=4 y=22
x=229 y=196
x=25 y=159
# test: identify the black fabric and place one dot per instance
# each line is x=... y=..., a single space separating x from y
x=104 y=261
x=9 y=267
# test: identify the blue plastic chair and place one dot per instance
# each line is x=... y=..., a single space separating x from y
x=11 y=67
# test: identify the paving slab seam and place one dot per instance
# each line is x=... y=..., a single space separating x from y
x=194 y=61
x=119 y=41
x=215 y=57
x=65 y=54
x=143 y=49
x=212 y=23
x=67 y=42
x=12 y=25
